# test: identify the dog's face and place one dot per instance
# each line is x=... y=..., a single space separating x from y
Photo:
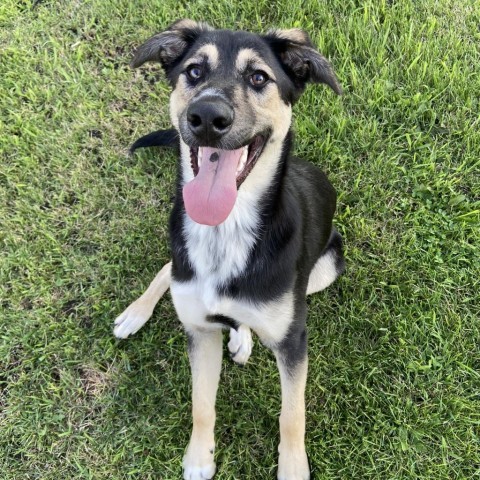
x=231 y=101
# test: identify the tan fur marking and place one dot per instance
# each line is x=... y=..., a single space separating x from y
x=292 y=461
x=294 y=34
x=187 y=23
x=211 y=52
x=270 y=112
x=205 y=361
x=248 y=55
x=138 y=313
x=179 y=100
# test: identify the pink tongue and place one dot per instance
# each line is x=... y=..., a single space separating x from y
x=210 y=196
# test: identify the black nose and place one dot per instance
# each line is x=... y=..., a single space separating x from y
x=209 y=119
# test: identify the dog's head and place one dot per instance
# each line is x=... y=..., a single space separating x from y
x=231 y=102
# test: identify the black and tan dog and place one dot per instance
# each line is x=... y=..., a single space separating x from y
x=251 y=229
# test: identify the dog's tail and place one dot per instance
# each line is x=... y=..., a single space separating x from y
x=159 y=138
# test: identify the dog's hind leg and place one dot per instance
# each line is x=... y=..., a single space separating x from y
x=329 y=266
x=292 y=364
x=136 y=315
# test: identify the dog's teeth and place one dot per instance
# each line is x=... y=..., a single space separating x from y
x=243 y=160
x=244 y=154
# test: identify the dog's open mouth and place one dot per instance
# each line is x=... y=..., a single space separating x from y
x=210 y=196
x=248 y=158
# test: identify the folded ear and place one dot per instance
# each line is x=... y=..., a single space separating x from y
x=302 y=62
x=168 y=46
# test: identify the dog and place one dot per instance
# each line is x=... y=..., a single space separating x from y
x=251 y=227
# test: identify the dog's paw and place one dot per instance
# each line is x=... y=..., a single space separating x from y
x=240 y=344
x=132 y=319
x=197 y=466
x=293 y=466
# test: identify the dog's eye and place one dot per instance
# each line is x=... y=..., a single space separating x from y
x=194 y=72
x=258 y=78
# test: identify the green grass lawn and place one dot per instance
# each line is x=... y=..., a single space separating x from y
x=394 y=381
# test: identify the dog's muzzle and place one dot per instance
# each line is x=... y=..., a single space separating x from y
x=220 y=163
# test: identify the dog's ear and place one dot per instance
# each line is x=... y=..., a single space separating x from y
x=167 y=47
x=301 y=60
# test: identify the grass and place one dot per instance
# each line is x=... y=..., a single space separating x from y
x=394 y=381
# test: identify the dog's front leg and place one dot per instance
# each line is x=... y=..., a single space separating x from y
x=292 y=363
x=137 y=314
x=205 y=353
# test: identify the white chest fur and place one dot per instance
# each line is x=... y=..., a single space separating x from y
x=220 y=253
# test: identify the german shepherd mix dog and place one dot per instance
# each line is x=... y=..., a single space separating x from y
x=251 y=228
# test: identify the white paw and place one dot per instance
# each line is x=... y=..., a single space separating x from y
x=198 y=467
x=199 y=473
x=293 y=466
x=240 y=344
x=132 y=319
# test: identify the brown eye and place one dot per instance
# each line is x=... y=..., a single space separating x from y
x=258 y=78
x=194 y=72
